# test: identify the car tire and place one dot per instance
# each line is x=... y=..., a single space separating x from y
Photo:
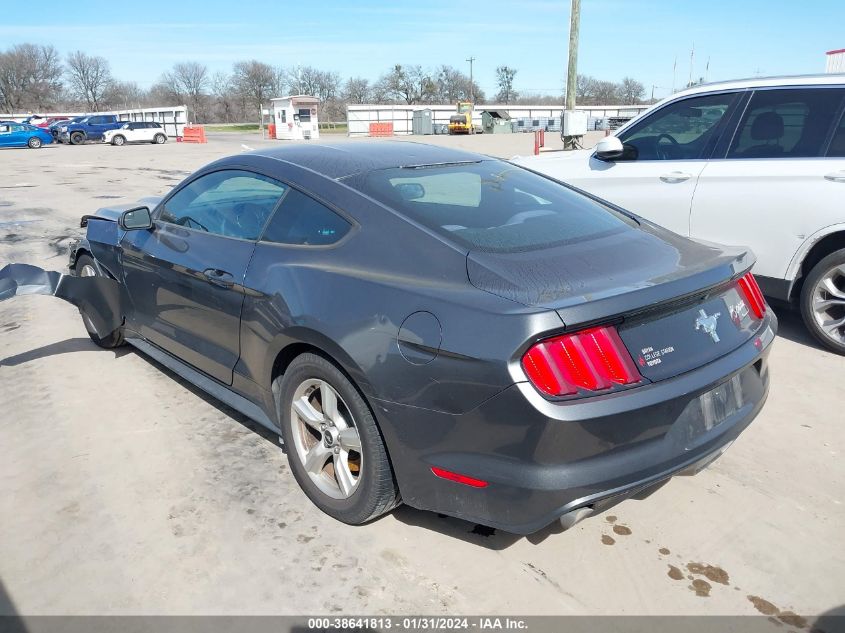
x=118 y=140
x=77 y=138
x=159 y=139
x=85 y=267
x=823 y=301
x=34 y=142
x=370 y=488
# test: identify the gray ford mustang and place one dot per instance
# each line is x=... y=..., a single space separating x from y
x=438 y=328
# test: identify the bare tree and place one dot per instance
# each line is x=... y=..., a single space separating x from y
x=356 y=90
x=30 y=77
x=125 y=94
x=189 y=80
x=585 y=89
x=451 y=85
x=631 y=91
x=605 y=92
x=224 y=93
x=409 y=84
x=89 y=77
x=256 y=83
x=504 y=79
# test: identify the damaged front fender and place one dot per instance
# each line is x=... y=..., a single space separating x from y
x=99 y=299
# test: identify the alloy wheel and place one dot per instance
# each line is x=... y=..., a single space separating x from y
x=829 y=303
x=325 y=438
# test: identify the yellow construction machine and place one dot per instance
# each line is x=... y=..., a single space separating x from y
x=461 y=123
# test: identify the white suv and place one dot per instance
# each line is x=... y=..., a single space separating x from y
x=136 y=132
x=757 y=162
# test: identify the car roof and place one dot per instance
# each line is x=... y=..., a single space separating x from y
x=346 y=159
x=765 y=82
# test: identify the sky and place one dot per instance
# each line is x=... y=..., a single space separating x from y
x=637 y=38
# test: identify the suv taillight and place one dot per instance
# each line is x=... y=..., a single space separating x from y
x=752 y=293
x=590 y=360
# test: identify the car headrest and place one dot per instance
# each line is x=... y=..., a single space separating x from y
x=767 y=126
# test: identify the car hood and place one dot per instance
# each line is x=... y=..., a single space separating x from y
x=535 y=162
x=608 y=275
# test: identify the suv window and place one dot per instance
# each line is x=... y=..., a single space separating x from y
x=231 y=202
x=302 y=220
x=682 y=130
x=837 y=145
x=787 y=123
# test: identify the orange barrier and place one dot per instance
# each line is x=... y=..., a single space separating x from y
x=381 y=129
x=271 y=130
x=194 y=134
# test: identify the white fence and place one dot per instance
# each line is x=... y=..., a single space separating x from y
x=172 y=118
x=359 y=117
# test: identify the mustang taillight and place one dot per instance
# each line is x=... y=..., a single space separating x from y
x=752 y=293
x=590 y=360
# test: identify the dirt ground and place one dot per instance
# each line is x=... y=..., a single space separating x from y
x=124 y=490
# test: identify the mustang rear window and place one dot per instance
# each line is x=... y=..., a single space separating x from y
x=492 y=206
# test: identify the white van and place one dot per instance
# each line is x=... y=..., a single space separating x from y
x=758 y=162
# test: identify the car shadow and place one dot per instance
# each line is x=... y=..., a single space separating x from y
x=791 y=327
x=67 y=346
x=223 y=408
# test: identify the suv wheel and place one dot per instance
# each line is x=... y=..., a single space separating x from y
x=76 y=138
x=85 y=268
x=118 y=140
x=823 y=301
x=160 y=139
x=34 y=142
x=334 y=447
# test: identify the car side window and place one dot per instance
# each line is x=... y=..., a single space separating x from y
x=787 y=123
x=231 y=202
x=682 y=130
x=837 y=145
x=303 y=221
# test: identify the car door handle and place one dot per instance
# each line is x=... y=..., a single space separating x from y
x=675 y=176
x=219 y=277
x=835 y=176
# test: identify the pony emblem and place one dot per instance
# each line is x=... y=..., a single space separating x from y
x=708 y=324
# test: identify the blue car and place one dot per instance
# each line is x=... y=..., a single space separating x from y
x=22 y=135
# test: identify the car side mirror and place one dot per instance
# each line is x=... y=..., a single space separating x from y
x=609 y=148
x=136 y=219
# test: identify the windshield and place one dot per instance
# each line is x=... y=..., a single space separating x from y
x=493 y=206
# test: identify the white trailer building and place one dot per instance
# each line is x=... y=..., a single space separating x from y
x=359 y=117
x=295 y=117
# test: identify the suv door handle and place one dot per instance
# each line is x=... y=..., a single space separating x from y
x=675 y=176
x=835 y=176
x=219 y=277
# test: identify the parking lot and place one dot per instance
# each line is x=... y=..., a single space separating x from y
x=125 y=490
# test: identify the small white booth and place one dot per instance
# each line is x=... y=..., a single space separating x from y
x=295 y=117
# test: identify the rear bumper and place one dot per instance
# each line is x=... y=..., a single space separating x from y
x=544 y=459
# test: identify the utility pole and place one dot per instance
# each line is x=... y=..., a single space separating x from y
x=471 y=87
x=571 y=142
